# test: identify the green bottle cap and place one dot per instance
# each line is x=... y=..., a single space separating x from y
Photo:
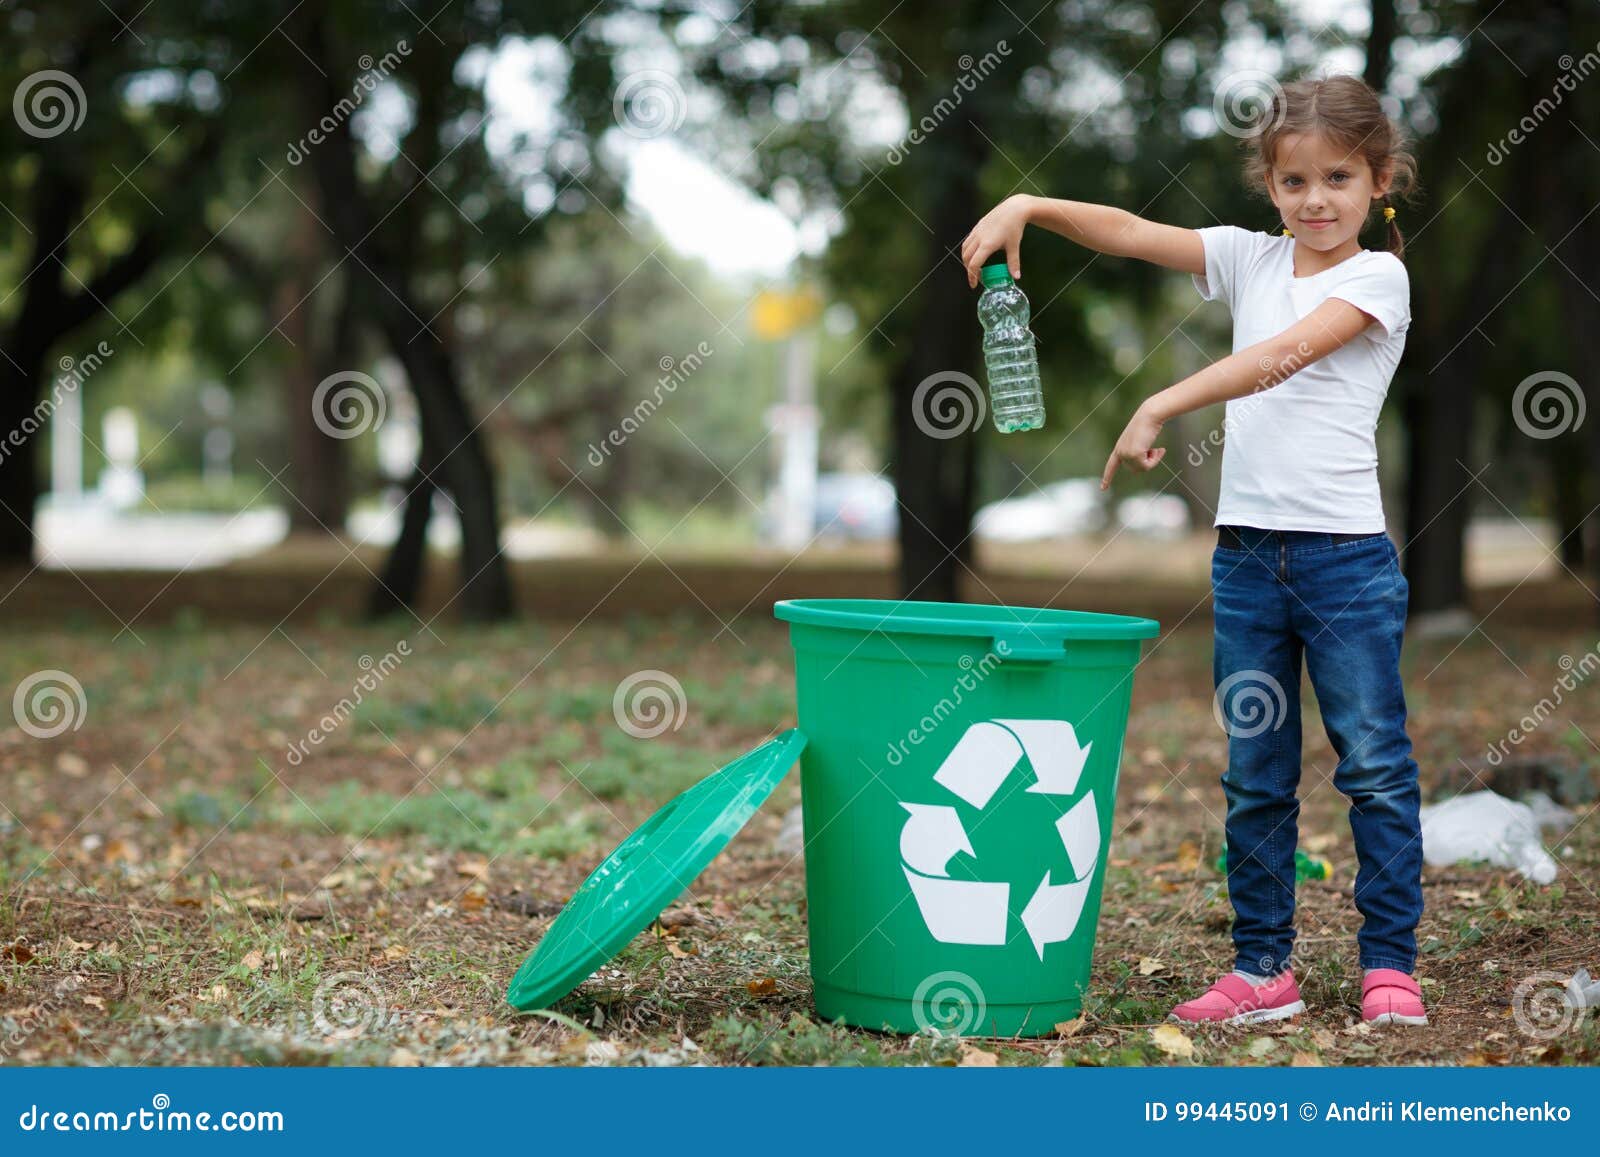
x=995 y=275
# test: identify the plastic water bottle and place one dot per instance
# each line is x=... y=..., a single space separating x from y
x=1015 y=400
x=1306 y=866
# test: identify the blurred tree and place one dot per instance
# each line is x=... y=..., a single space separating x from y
x=1494 y=238
x=1082 y=101
x=115 y=123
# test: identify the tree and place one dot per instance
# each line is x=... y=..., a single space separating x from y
x=106 y=174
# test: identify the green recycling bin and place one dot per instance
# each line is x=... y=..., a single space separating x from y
x=958 y=777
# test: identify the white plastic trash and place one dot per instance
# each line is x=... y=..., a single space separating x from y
x=1483 y=826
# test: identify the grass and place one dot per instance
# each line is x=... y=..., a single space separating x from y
x=177 y=890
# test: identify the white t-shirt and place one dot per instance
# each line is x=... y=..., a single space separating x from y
x=1302 y=455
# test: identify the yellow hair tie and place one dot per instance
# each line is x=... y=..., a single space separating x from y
x=1388 y=212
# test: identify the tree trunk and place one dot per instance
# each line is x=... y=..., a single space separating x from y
x=20 y=372
x=1569 y=188
x=316 y=459
x=400 y=584
x=463 y=469
x=1442 y=365
x=1380 y=44
x=934 y=476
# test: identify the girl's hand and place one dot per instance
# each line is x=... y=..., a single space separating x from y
x=1001 y=228
x=1134 y=447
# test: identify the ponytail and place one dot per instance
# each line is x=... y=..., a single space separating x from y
x=1396 y=244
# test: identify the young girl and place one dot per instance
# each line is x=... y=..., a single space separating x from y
x=1303 y=567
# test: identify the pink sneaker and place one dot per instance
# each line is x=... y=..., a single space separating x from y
x=1389 y=996
x=1234 y=1000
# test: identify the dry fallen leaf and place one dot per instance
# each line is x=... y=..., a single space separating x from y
x=95 y=1002
x=474 y=900
x=476 y=868
x=18 y=952
x=1149 y=965
x=1306 y=1061
x=975 y=1058
x=766 y=986
x=1070 y=1027
x=1170 y=1039
x=1188 y=856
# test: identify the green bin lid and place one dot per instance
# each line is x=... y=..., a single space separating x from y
x=648 y=870
x=910 y=617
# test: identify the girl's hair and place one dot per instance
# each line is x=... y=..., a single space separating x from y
x=1346 y=112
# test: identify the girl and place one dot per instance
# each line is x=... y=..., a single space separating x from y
x=1303 y=567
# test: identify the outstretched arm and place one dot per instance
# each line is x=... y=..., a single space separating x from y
x=1103 y=228
x=1258 y=367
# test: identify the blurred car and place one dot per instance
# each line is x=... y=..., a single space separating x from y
x=1157 y=515
x=1055 y=510
x=847 y=505
x=855 y=506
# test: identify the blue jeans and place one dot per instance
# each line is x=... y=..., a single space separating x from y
x=1284 y=595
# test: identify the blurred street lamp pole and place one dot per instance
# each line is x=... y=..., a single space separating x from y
x=789 y=316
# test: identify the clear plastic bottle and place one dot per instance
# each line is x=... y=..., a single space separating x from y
x=1015 y=399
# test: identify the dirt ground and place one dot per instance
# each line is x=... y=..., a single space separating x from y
x=198 y=870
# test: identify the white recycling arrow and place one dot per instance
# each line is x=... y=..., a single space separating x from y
x=1080 y=835
x=931 y=837
x=962 y=911
x=1052 y=747
x=1053 y=910
x=979 y=763
x=976 y=912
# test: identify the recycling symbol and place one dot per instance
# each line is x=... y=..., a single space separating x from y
x=975 y=911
